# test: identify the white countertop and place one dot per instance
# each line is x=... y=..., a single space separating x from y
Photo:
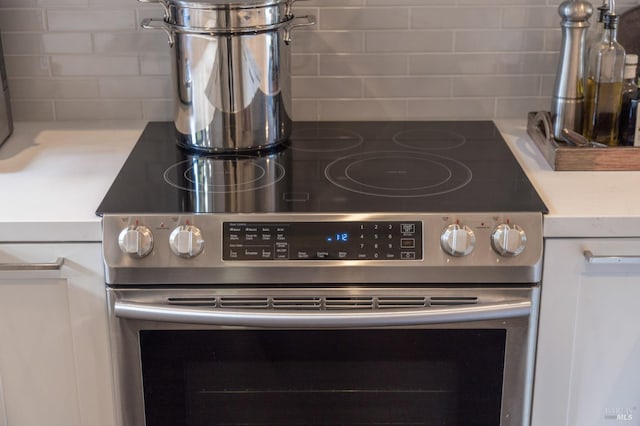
x=53 y=176
x=581 y=204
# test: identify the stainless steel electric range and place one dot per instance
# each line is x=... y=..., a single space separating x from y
x=362 y=273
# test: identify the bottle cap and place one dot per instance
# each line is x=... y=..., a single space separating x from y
x=611 y=21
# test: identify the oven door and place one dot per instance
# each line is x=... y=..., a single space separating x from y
x=342 y=356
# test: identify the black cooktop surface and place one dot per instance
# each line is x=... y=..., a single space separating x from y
x=330 y=167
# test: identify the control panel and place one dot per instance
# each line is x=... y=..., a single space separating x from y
x=383 y=240
x=281 y=248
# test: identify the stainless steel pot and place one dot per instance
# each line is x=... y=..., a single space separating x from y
x=233 y=85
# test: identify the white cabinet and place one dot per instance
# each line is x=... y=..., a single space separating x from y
x=54 y=350
x=588 y=362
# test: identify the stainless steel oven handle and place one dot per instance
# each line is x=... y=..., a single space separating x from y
x=288 y=319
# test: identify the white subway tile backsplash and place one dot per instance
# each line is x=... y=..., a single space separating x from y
x=409 y=41
x=484 y=63
x=26 y=110
x=520 y=107
x=552 y=40
x=61 y=3
x=455 y=17
x=364 y=18
x=548 y=82
x=531 y=17
x=501 y=41
x=370 y=109
x=21 y=19
x=332 y=3
x=31 y=88
x=151 y=11
x=155 y=64
x=67 y=43
x=458 y=108
x=28 y=66
x=41 y=43
x=484 y=86
x=130 y=42
x=7 y=4
x=135 y=87
x=508 y=2
x=364 y=59
x=98 y=110
x=112 y=3
x=94 y=65
x=304 y=110
x=357 y=65
x=22 y=44
x=90 y=20
x=407 y=87
x=326 y=87
x=327 y=42
x=409 y=2
x=157 y=109
x=304 y=65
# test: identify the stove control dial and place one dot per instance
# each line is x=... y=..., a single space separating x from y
x=136 y=241
x=186 y=241
x=458 y=240
x=508 y=240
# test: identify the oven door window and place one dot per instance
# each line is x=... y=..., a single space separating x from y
x=323 y=377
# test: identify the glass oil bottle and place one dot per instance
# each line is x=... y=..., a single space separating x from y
x=595 y=32
x=603 y=85
x=629 y=133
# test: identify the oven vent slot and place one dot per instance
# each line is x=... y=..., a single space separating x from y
x=305 y=303
x=244 y=302
x=401 y=302
x=193 y=301
x=348 y=302
x=453 y=300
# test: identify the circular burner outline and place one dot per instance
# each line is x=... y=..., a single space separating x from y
x=213 y=189
x=448 y=178
x=464 y=183
x=358 y=140
x=190 y=170
x=462 y=138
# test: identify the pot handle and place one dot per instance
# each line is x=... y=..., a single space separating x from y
x=298 y=21
x=154 y=24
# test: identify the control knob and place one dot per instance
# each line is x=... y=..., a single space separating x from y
x=457 y=240
x=186 y=241
x=508 y=240
x=136 y=241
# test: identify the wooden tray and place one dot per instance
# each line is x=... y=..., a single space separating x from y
x=564 y=157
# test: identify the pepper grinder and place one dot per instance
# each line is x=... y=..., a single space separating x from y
x=568 y=93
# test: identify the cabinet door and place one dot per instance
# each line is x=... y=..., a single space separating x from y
x=588 y=358
x=54 y=353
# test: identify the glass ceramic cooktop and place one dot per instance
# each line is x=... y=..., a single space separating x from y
x=330 y=167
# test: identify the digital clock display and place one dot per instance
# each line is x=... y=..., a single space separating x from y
x=341 y=237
